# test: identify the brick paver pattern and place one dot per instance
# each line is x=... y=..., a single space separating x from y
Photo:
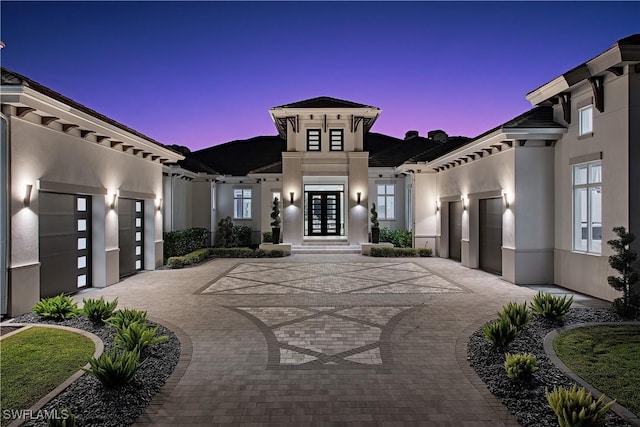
x=322 y=340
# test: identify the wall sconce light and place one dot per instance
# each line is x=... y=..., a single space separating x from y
x=358 y=194
x=114 y=199
x=27 y=195
x=464 y=202
x=437 y=206
x=505 y=196
x=291 y=197
x=159 y=203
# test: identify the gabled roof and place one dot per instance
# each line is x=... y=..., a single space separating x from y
x=324 y=102
x=11 y=78
x=240 y=157
x=436 y=149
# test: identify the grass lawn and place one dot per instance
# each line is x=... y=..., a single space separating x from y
x=36 y=361
x=607 y=357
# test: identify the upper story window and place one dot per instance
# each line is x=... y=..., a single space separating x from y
x=587 y=207
x=242 y=203
x=585 y=120
x=386 y=201
x=313 y=139
x=336 y=140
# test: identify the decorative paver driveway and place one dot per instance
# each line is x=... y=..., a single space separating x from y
x=322 y=340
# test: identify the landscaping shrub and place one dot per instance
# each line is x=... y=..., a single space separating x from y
x=60 y=307
x=517 y=314
x=500 y=333
x=98 y=310
x=126 y=316
x=241 y=236
x=192 y=258
x=623 y=262
x=138 y=335
x=399 y=238
x=247 y=253
x=550 y=306
x=521 y=366
x=224 y=235
x=181 y=242
x=115 y=368
x=575 y=407
x=400 y=252
x=267 y=237
x=175 y=262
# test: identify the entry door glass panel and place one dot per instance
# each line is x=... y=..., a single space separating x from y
x=490 y=242
x=324 y=213
x=455 y=230
x=65 y=249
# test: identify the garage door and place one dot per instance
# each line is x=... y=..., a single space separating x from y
x=131 y=235
x=65 y=249
x=455 y=230
x=491 y=235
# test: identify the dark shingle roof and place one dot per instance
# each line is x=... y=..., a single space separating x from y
x=435 y=149
x=240 y=157
x=11 y=78
x=324 y=102
x=272 y=168
x=538 y=117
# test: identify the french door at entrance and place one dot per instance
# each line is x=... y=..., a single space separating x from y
x=324 y=213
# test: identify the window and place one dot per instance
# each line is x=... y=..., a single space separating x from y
x=242 y=203
x=587 y=207
x=313 y=139
x=386 y=199
x=336 y=139
x=585 y=120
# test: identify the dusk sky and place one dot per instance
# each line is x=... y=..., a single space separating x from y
x=205 y=73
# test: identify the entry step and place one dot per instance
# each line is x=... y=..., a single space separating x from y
x=325 y=249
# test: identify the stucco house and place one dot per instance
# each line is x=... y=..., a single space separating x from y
x=85 y=199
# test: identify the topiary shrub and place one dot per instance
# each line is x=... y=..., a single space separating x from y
x=98 y=310
x=138 y=335
x=424 y=252
x=521 y=366
x=623 y=262
x=399 y=252
x=576 y=408
x=517 y=314
x=115 y=368
x=126 y=316
x=175 y=262
x=60 y=307
x=500 y=333
x=224 y=235
x=550 y=306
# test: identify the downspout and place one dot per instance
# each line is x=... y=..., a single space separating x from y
x=5 y=218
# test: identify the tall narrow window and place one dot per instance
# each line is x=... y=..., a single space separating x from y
x=313 y=139
x=242 y=203
x=587 y=207
x=585 y=120
x=386 y=201
x=336 y=139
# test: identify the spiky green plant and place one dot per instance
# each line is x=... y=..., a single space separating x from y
x=63 y=418
x=98 y=310
x=126 y=316
x=575 y=407
x=115 y=368
x=500 y=332
x=138 y=336
x=521 y=366
x=517 y=314
x=550 y=306
x=60 y=307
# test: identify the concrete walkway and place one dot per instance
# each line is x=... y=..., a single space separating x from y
x=322 y=340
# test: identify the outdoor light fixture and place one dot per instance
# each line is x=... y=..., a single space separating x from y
x=27 y=195
x=114 y=199
x=291 y=197
x=160 y=203
x=464 y=202
x=506 y=199
x=437 y=207
x=359 y=194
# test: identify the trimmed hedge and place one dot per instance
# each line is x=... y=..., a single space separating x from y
x=181 y=242
x=399 y=238
x=248 y=253
x=192 y=258
x=401 y=252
